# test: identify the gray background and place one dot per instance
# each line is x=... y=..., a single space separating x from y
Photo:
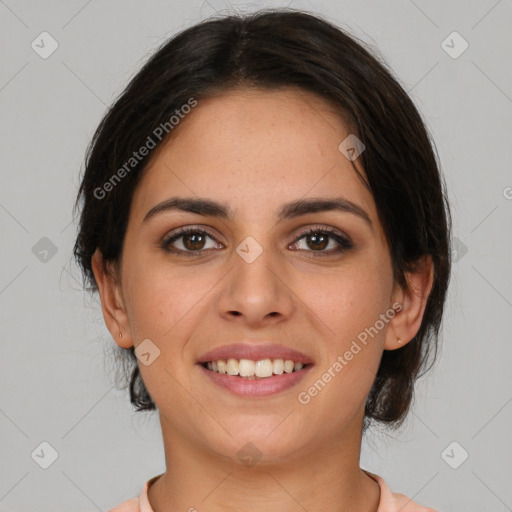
x=55 y=369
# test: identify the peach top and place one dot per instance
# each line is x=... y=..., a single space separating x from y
x=389 y=501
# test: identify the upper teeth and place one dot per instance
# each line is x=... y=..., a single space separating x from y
x=250 y=368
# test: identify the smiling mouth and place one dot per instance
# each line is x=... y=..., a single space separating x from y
x=251 y=369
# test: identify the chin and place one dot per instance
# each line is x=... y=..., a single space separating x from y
x=262 y=441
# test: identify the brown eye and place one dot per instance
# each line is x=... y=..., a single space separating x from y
x=192 y=241
x=317 y=240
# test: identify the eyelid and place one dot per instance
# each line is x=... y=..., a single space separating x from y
x=322 y=227
x=184 y=230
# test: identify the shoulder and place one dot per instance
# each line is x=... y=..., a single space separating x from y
x=395 y=502
x=402 y=503
x=131 y=505
x=139 y=503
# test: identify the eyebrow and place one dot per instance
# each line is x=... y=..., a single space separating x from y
x=207 y=207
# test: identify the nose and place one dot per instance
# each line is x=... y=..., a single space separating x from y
x=256 y=292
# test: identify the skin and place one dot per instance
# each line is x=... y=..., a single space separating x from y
x=254 y=151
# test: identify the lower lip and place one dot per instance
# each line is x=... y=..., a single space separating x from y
x=255 y=388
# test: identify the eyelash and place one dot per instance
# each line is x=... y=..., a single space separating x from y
x=344 y=243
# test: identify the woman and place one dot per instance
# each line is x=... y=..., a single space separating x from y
x=265 y=221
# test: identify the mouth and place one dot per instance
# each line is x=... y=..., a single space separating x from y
x=254 y=369
x=250 y=379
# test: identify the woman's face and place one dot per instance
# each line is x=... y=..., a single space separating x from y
x=255 y=278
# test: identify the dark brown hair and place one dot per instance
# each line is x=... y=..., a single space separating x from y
x=269 y=49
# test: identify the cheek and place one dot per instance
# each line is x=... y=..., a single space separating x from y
x=165 y=307
x=353 y=308
x=347 y=301
x=164 y=302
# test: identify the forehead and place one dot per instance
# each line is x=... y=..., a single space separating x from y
x=254 y=147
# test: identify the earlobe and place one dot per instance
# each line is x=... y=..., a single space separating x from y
x=112 y=306
x=406 y=323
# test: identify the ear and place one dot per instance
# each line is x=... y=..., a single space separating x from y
x=112 y=304
x=407 y=320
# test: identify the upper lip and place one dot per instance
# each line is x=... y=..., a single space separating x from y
x=254 y=351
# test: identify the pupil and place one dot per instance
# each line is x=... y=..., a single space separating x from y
x=315 y=237
x=194 y=244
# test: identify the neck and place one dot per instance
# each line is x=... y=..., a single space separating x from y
x=319 y=479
